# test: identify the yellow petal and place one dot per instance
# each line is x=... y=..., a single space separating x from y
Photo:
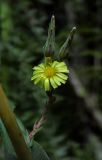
x=60 y=80
x=47 y=84
x=60 y=64
x=54 y=85
x=62 y=76
x=37 y=80
x=36 y=76
x=38 y=72
x=54 y=63
x=62 y=67
x=39 y=67
x=57 y=80
x=65 y=70
x=42 y=66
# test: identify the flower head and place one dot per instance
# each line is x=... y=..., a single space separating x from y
x=50 y=75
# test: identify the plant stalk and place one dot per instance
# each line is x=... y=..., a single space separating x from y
x=14 y=132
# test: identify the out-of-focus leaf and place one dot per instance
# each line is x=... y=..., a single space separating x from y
x=24 y=132
x=38 y=152
x=45 y=1
x=8 y=148
x=6 y=22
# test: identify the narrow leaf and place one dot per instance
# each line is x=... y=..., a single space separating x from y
x=38 y=152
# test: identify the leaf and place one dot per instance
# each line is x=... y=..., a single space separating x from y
x=24 y=132
x=45 y=1
x=6 y=20
x=38 y=152
x=8 y=148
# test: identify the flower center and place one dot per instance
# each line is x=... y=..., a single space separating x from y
x=49 y=72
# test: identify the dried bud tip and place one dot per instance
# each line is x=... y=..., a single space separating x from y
x=74 y=28
x=53 y=16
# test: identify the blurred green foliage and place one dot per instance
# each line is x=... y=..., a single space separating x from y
x=24 y=24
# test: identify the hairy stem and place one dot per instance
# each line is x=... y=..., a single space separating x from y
x=38 y=124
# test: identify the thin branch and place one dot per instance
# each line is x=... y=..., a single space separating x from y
x=38 y=124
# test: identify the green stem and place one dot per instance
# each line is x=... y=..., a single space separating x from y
x=13 y=129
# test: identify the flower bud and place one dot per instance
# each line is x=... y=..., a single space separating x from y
x=67 y=44
x=49 y=47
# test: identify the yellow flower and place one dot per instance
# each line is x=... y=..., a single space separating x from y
x=50 y=75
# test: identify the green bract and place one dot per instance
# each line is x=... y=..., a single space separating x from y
x=50 y=75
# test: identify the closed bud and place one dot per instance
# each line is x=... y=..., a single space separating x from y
x=67 y=44
x=49 y=47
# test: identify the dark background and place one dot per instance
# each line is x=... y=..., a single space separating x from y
x=73 y=130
